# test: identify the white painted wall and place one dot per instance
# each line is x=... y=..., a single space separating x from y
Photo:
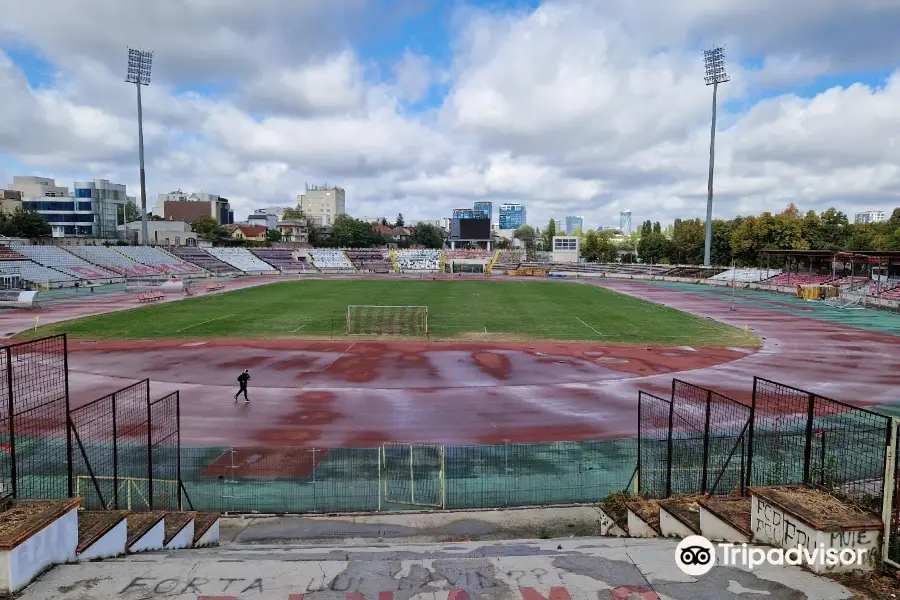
x=182 y=539
x=152 y=540
x=608 y=526
x=53 y=545
x=110 y=544
x=210 y=538
x=672 y=527
x=637 y=527
x=716 y=530
x=773 y=525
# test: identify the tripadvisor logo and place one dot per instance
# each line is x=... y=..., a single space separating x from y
x=695 y=556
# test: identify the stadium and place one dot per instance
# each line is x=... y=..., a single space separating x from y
x=423 y=379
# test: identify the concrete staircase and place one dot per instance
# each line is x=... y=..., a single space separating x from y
x=490 y=266
x=395 y=264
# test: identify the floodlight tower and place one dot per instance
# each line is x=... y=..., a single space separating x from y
x=715 y=74
x=139 y=63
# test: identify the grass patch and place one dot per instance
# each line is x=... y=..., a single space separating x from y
x=488 y=310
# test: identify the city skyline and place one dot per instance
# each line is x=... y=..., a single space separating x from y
x=479 y=109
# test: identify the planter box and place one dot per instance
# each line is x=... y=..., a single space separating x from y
x=179 y=530
x=146 y=531
x=643 y=519
x=679 y=518
x=206 y=530
x=101 y=534
x=34 y=536
x=725 y=520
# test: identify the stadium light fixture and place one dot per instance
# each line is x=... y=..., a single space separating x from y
x=715 y=74
x=139 y=65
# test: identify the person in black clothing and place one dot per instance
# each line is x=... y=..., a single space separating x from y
x=243 y=378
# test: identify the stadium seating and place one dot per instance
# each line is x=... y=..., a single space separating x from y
x=695 y=272
x=469 y=255
x=419 y=261
x=373 y=260
x=282 y=259
x=331 y=260
x=34 y=273
x=202 y=259
x=849 y=281
x=159 y=259
x=60 y=260
x=7 y=253
x=889 y=289
x=509 y=259
x=799 y=279
x=241 y=259
x=746 y=275
x=891 y=294
x=112 y=261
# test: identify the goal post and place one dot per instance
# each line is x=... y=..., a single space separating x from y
x=369 y=319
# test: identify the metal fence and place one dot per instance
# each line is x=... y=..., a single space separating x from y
x=798 y=437
x=653 y=465
x=34 y=440
x=405 y=476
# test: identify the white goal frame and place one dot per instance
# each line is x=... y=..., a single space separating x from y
x=383 y=316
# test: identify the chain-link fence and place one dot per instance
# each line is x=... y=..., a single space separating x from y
x=164 y=453
x=653 y=445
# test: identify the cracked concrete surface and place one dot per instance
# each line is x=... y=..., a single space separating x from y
x=558 y=569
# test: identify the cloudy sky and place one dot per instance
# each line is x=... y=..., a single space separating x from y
x=582 y=107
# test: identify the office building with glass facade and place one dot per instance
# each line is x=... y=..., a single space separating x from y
x=487 y=208
x=512 y=216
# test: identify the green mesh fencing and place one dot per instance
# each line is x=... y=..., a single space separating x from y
x=393 y=478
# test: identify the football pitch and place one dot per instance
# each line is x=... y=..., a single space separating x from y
x=457 y=310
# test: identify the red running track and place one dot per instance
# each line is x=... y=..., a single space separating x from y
x=321 y=393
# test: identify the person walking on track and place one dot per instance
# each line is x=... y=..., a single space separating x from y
x=243 y=378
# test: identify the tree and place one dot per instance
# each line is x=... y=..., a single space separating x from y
x=131 y=211
x=646 y=228
x=427 y=235
x=688 y=238
x=209 y=229
x=399 y=222
x=384 y=221
x=294 y=214
x=549 y=233
x=657 y=228
x=655 y=248
x=348 y=232
x=25 y=224
x=526 y=235
x=598 y=247
x=273 y=235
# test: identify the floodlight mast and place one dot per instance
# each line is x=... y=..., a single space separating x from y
x=715 y=74
x=139 y=64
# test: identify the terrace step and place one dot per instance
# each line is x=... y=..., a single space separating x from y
x=146 y=531
x=643 y=518
x=101 y=534
x=179 y=530
x=679 y=517
x=725 y=519
x=206 y=529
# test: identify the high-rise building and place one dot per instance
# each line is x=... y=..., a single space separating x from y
x=486 y=207
x=573 y=224
x=625 y=222
x=468 y=213
x=322 y=203
x=869 y=216
x=559 y=227
x=95 y=210
x=108 y=199
x=512 y=215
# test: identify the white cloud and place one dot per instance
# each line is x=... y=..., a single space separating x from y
x=574 y=108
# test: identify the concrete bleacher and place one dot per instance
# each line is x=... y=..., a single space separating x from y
x=65 y=262
x=331 y=260
x=509 y=259
x=746 y=275
x=113 y=261
x=694 y=272
x=419 y=261
x=850 y=281
x=158 y=259
x=202 y=259
x=242 y=260
x=469 y=255
x=282 y=259
x=800 y=279
x=370 y=259
x=7 y=253
x=34 y=273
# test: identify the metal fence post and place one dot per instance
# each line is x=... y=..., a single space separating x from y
x=115 y=447
x=70 y=471
x=750 y=437
x=669 y=443
x=704 y=479
x=12 y=421
x=178 y=445
x=149 y=450
x=891 y=528
x=807 y=450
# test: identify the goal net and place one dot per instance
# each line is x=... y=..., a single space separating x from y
x=365 y=319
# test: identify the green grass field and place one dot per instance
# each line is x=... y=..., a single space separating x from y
x=464 y=310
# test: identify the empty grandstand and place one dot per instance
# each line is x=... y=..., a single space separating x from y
x=331 y=261
x=282 y=259
x=242 y=260
x=599 y=268
x=419 y=261
x=64 y=262
x=113 y=261
x=7 y=253
x=35 y=274
x=746 y=275
x=371 y=260
x=202 y=259
x=800 y=279
x=469 y=255
x=695 y=272
x=509 y=259
x=159 y=259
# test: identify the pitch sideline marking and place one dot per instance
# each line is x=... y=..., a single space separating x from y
x=591 y=328
x=339 y=357
x=202 y=323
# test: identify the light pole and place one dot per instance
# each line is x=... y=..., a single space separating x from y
x=715 y=74
x=139 y=63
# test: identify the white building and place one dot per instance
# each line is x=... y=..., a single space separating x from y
x=322 y=204
x=566 y=249
x=265 y=218
x=161 y=233
x=94 y=210
x=869 y=216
